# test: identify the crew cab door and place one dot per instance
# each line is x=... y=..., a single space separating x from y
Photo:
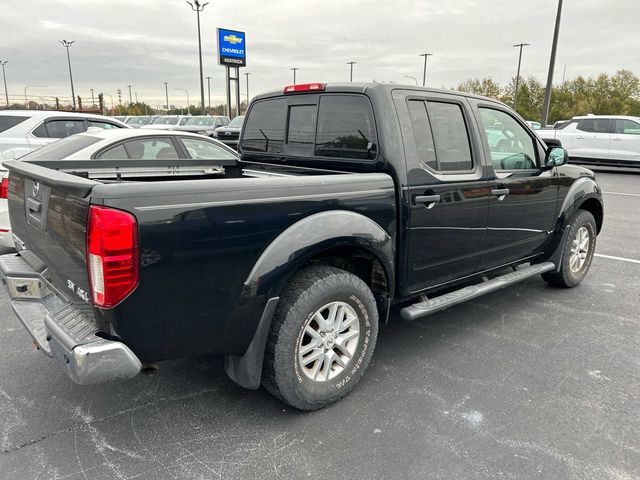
x=447 y=193
x=592 y=138
x=522 y=208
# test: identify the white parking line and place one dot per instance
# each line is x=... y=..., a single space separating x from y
x=611 y=257
x=625 y=194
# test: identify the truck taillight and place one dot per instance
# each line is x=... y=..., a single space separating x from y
x=112 y=255
x=4 y=187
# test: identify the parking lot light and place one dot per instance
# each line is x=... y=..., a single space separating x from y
x=66 y=44
x=4 y=77
x=351 y=64
x=166 y=92
x=188 y=103
x=294 y=70
x=515 y=92
x=197 y=7
x=424 y=73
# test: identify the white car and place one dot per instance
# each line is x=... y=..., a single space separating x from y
x=134 y=144
x=609 y=140
x=22 y=131
x=167 y=122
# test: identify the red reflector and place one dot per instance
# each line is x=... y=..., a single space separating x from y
x=112 y=255
x=304 y=87
x=4 y=187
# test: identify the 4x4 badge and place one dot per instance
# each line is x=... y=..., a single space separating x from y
x=36 y=189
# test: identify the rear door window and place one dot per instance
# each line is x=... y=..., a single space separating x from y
x=345 y=128
x=595 y=125
x=10 y=121
x=450 y=136
x=159 y=148
x=60 y=128
x=422 y=133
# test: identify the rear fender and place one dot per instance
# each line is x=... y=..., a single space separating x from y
x=310 y=236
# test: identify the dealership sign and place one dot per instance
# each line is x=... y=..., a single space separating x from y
x=231 y=48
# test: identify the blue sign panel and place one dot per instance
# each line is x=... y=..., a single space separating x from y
x=231 y=48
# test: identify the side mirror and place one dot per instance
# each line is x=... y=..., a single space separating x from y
x=556 y=156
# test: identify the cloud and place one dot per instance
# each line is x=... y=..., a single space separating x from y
x=147 y=42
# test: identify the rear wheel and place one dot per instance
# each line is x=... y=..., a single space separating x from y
x=322 y=338
x=579 y=247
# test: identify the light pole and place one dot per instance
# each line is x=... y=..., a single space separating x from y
x=552 y=65
x=424 y=72
x=93 y=99
x=209 y=93
x=412 y=78
x=197 y=7
x=166 y=92
x=130 y=99
x=246 y=74
x=66 y=44
x=515 y=92
x=26 y=102
x=351 y=64
x=294 y=70
x=188 y=103
x=4 y=77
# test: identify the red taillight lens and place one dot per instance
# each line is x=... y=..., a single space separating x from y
x=4 y=187
x=112 y=255
x=304 y=87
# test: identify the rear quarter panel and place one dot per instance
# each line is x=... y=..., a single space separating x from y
x=199 y=242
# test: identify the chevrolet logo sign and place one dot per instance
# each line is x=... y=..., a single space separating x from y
x=232 y=39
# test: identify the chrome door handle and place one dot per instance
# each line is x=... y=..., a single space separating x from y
x=579 y=137
x=500 y=193
x=428 y=200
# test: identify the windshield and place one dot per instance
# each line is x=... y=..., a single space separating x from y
x=200 y=121
x=237 y=122
x=139 y=121
x=166 y=121
x=61 y=149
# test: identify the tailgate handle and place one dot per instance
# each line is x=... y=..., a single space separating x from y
x=34 y=205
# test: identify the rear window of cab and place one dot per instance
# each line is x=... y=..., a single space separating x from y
x=334 y=126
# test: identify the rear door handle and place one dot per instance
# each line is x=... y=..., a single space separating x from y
x=579 y=137
x=428 y=200
x=500 y=193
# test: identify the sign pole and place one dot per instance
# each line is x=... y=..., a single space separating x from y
x=237 y=90
x=228 y=90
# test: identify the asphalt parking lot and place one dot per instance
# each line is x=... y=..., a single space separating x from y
x=529 y=382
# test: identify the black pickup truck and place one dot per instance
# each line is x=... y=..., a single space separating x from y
x=348 y=200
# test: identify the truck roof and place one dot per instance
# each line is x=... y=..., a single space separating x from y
x=362 y=87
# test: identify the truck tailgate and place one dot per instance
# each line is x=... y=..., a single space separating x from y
x=48 y=212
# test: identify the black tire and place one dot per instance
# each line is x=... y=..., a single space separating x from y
x=306 y=293
x=566 y=277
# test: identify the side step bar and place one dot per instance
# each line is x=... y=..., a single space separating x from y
x=436 y=304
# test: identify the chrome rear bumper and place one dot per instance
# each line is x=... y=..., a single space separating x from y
x=65 y=331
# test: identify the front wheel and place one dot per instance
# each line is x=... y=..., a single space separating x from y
x=579 y=248
x=322 y=338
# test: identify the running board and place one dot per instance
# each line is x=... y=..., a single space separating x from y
x=436 y=304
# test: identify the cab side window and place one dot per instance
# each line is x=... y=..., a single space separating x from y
x=509 y=142
x=441 y=135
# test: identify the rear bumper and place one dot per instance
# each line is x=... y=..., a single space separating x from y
x=63 y=330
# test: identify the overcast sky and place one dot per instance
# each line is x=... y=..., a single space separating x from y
x=147 y=42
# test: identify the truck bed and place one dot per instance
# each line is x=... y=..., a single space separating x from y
x=200 y=236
